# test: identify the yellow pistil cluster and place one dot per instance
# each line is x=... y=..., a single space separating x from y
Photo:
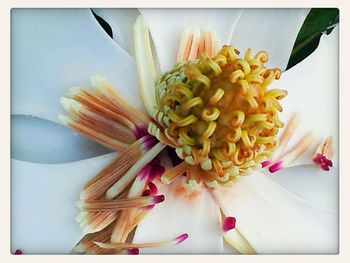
x=218 y=112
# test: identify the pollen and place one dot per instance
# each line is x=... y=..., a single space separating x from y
x=218 y=113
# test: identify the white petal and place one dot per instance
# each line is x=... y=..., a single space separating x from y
x=42 y=141
x=273 y=30
x=55 y=49
x=313 y=88
x=311 y=184
x=167 y=25
x=229 y=250
x=275 y=221
x=194 y=213
x=121 y=21
x=43 y=209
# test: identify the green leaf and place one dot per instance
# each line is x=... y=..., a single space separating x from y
x=319 y=21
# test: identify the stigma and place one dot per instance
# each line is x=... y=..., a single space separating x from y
x=216 y=110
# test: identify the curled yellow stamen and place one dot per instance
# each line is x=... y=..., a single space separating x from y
x=218 y=167
x=244 y=65
x=228 y=150
x=192 y=103
x=262 y=56
x=219 y=155
x=195 y=74
x=210 y=114
x=206 y=147
x=212 y=64
x=248 y=140
x=277 y=93
x=236 y=75
x=252 y=102
x=255 y=79
x=238 y=118
x=210 y=130
x=171 y=98
x=181 y=122
x=229 y=53
x=237 y=159
x=185 y=138
x=235 y=135
x=221 y=60
x=182 y=89
x=255 y=118
x=245 y=85
x=217 y=96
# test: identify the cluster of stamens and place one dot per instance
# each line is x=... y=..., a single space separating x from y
x=218 y=112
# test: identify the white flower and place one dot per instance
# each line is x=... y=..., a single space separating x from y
x=56 y=49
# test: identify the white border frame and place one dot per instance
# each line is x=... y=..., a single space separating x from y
x=344 y=93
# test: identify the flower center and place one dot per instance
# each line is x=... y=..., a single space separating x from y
x=218 y=112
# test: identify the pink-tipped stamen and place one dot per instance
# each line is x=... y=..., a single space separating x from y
x=167 y=243
x=140 y=131
x=148 y=141
x=119 y=204
x=146 y=193
x=18 y=252
x=96 y=187
x=228 y=223
x=324 y=154
x=133 y=251
x=156 y=172
x=298 y=149
x=265 y=163
x=156 y=199
x=276 y=167
x=152 y=189
x=149 y=207
x=130 y=175
x=181 y=238
x=145 y=172
x=323 y=162
x=127 y=218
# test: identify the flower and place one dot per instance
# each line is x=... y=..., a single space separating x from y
x=193 y=211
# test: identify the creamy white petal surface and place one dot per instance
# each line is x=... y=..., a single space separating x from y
x=121 y=21
x=55 y=49
x=229 y=250
x=167 y=25
x=275 y=221
x=192 y=212
x=313 y=88
x=312 y=184
x=42 y=204
x=273 y=30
